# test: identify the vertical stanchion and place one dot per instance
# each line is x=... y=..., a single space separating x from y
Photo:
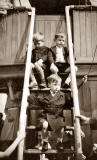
x=22 y=120
x=78 y=144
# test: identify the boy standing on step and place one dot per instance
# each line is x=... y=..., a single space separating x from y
x=39 y=61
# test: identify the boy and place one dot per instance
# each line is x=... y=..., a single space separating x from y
x=39 y=61
x=53 y=105
x=58 y=57
x=58 y=53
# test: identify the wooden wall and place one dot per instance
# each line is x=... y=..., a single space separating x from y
x=85 y=51
x=13 y=36
x=85 y=35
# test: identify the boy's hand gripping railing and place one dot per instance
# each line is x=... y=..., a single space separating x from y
x=78 y=145
x=22 y=120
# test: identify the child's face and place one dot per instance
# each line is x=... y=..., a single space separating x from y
x=55 y=86
x=60 y=42
x=39 y=43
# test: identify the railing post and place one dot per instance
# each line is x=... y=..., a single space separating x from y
x=78 y=144
x=22 y=120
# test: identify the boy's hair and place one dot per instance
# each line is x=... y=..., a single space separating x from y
x=38 y=36
x=54 y=78
x=59 y=35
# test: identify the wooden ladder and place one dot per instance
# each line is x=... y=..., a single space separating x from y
x=24 y=126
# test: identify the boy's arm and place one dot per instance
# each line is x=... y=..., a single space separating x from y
x=33 y=56
x=39 y=62
x=44 y=56
x=54 y=68
x=84 y=120
x=12 y=147
x=66 y=55
x=50 y=57
x=11 y=94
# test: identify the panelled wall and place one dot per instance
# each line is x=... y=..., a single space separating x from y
x=13 y=37
x=85 y=51
x=85 y=35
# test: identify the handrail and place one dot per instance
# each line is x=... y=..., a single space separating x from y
x=22 y=120
x=78 y=145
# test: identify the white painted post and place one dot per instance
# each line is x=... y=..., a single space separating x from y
x=78 y=145
x=22 y=121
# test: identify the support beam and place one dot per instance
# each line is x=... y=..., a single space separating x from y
x=78 y=145
x=22 y=121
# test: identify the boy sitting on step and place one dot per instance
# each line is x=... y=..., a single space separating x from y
x=53 y=105
x=39 y=61
x=58 y=57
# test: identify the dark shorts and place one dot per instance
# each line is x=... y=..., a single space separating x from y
x=62 y=66
x=55 y=123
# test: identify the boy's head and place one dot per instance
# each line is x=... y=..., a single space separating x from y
x=60 y=39
x=38 y=40
x=54 y=82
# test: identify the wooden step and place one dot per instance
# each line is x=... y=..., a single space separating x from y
x=37 y=107
x=52 y=151
x=48 y=89
x=12 y=71
x=32 y=127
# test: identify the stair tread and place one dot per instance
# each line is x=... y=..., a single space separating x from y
x=51 y=151
x=47 y=89
x=32 y=127
x=37 y=107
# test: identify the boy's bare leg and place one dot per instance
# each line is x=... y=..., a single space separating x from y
x=40 y=72
x=33 y=83
x=40 y=141
x=10 y=88
x=59 y=144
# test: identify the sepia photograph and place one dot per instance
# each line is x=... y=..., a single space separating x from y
x=48 y=79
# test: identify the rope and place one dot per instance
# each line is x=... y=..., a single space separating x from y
x=89 y=71
x=85 y=77
x=92 y=61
